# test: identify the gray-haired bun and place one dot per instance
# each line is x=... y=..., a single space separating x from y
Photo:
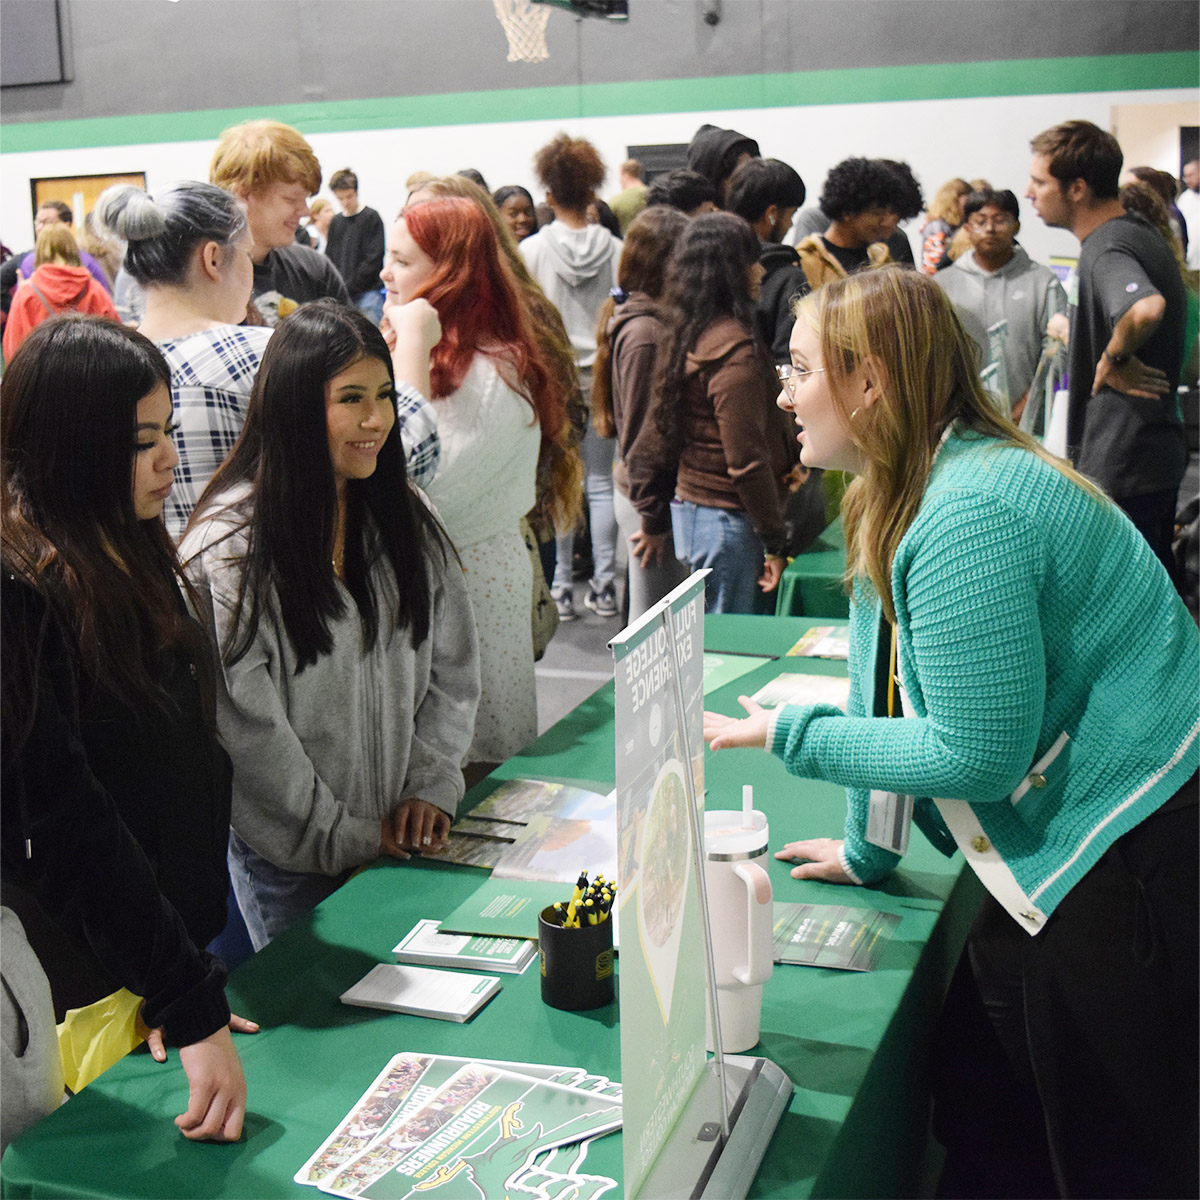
x=162 y=231
x=128 y=213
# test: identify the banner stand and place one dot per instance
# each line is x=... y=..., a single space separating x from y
x=694 y=1126
x=692 y=1162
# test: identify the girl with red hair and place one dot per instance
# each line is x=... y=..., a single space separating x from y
x=493 y=393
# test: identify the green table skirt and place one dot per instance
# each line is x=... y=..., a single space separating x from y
x=855 y=1045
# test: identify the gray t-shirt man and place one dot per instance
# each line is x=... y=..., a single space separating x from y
x=1129 y=445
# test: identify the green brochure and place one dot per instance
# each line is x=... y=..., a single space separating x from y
x=828 y=935
x=720 y=669
x=505 y=908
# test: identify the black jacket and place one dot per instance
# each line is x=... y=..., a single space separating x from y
x=782 y=285
x=113 y=834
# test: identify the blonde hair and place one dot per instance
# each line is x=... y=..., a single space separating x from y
x=56 y=244
x=946 y=202
x=250 y=157
x=319 y=205
x=930 y=377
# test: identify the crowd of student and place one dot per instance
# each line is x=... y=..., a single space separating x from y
x=311 y=619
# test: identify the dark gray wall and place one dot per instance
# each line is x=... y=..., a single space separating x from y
x=139 y=56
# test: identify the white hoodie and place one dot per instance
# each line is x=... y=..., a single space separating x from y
x=576 y=268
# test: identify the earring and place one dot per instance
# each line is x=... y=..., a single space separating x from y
x=854 y=414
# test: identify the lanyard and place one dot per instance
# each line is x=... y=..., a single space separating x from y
x=891 y=692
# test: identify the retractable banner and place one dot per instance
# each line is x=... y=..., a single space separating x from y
x=662 y=977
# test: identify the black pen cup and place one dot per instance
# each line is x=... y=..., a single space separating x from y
x=576 y=964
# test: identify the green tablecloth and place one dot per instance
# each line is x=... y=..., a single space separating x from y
x=811 y=585
x=854 y=1044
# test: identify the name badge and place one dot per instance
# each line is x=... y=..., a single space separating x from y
x=888 y=819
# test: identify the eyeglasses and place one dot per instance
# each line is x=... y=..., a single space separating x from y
x=789 y=376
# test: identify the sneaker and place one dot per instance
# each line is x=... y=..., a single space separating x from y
x=564 y=601
x=602 y=601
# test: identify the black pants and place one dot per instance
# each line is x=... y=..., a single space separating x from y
x=1154 y=516
x=1068 y=1062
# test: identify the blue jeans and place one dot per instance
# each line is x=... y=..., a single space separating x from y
x=723 y=540
x=598 y=454
x=371 y=304
x=270 y=897
x=647 y=585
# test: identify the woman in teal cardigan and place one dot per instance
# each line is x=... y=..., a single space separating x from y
x=1047 y=669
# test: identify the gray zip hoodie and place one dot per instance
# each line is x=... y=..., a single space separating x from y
x=320 y=757
x=1023 y=293
x=576 y=268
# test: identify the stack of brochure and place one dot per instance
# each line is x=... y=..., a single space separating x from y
x=427 y=946
x=538 y=829
x=489 y=1126
x=420 y=992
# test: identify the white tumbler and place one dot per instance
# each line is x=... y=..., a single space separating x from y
x=742 y=921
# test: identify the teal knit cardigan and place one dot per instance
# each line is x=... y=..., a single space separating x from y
x=1026 y=608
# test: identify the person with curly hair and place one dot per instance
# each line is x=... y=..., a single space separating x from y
x=865 y=200
x=576 y=264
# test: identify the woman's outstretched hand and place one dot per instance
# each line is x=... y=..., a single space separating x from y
x=822 y=861
x=721 y=732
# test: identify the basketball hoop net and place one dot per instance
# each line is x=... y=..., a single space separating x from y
x=525 y=27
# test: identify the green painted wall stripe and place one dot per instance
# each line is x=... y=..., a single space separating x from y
x=937 y=81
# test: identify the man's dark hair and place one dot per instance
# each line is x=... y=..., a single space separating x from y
x=909 y=197
x=1081 y=150
x=859 y=184
x=683 y=189
x=1003 y=200
x=344 y=180
x=760 y=182
x=474 y=176
x=65 y=213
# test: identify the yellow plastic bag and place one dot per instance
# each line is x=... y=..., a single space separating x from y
x=91 y=1039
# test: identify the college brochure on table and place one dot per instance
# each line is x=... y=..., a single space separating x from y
x=521 y=799
x=463 y=1129
x=828 y=935
x=556 y=849
x=421 y=992
x=411 y=1080
x=503 y=908
x=535 y=829
x=823 y=641
x=804 y=689
x=470 y=850
x=722 y=668
x=488 y=827
x=426 y=945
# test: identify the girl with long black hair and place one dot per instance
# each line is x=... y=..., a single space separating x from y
x=716 y=408
x=115 y=791
x=349 y=659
